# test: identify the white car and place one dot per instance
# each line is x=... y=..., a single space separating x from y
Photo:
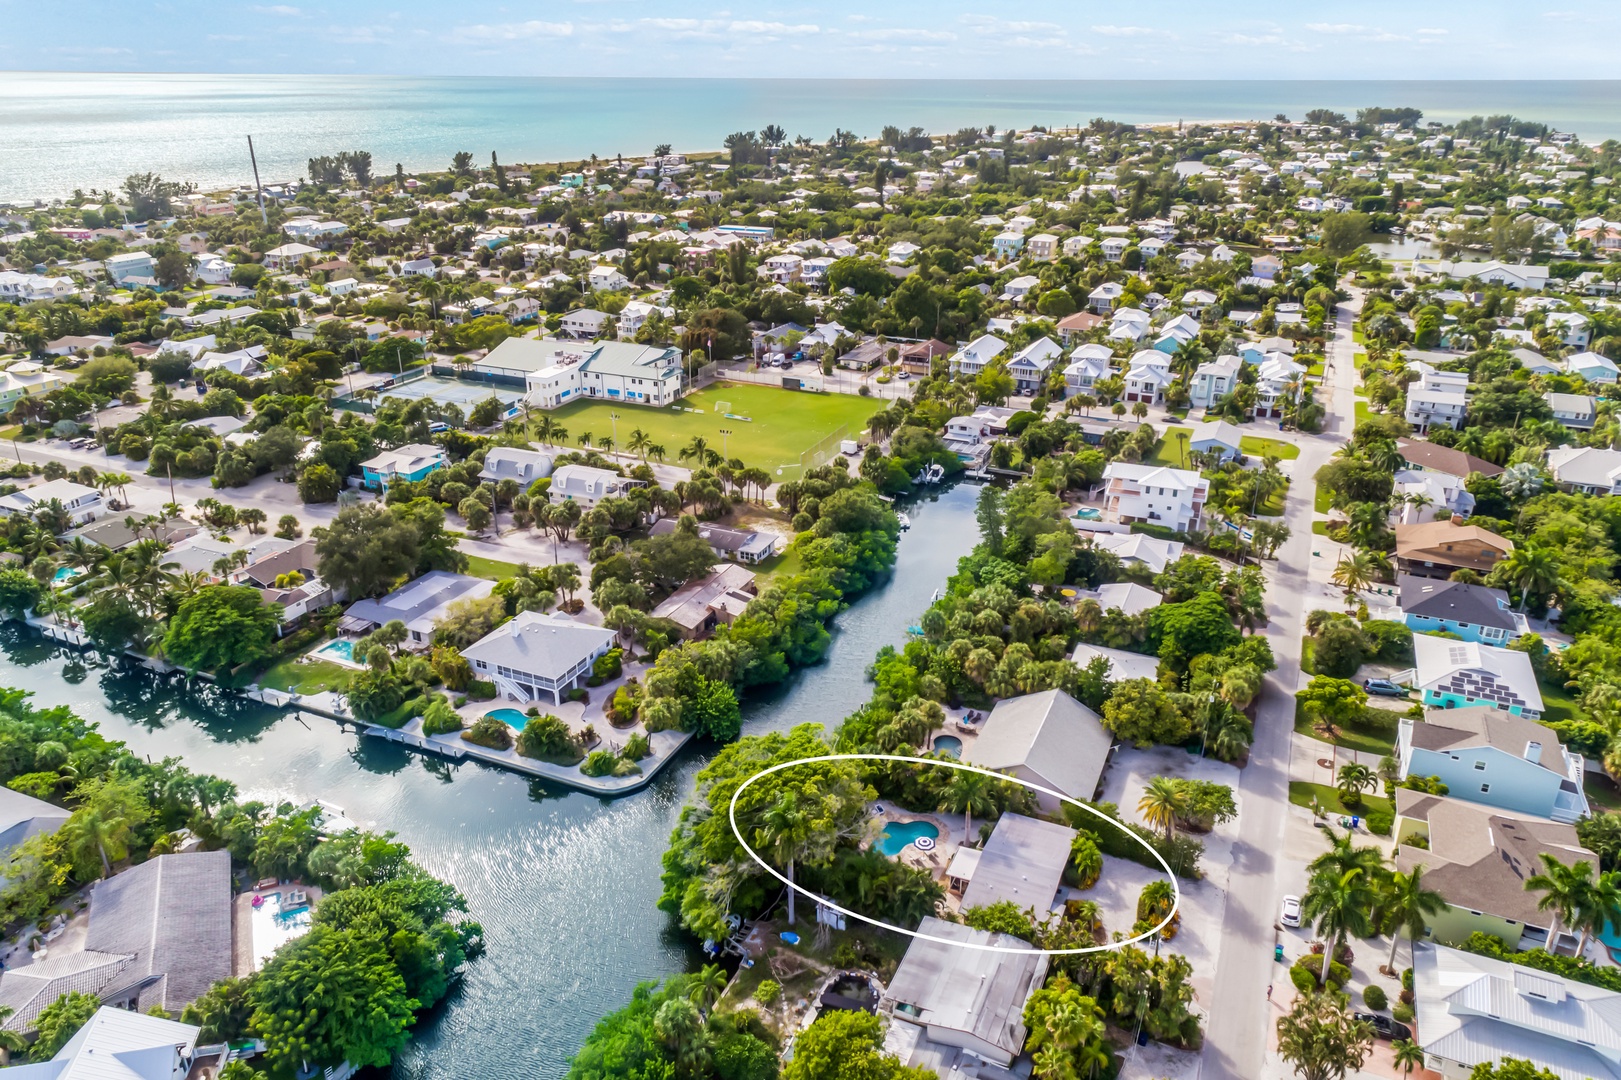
x=1291 y=911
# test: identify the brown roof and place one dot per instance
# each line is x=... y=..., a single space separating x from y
x=1427 y=455
x=919 y=350
x=1480 y=858
x=1448 y=543
x=265 y=571
x=1478 y=725
x=1081 y=320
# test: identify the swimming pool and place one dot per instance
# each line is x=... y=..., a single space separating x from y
x=66 y=573
x=274 y=925
x=342 y=650
x=898 y=835
x=948 y=744
x=512 y=718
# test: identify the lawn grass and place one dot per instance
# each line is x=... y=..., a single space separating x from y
x=1363 y=413
x=1356 y=336
x=1320 y=502
x=1319 y=528
x=1375 y=733
x=490 y=569
x=778 y=566
x=782 y=424
x=1302 y=793
x=1602 y=792
x=1260 y=446
x=1557 y=704
x=1273 y=507
x=1307 y=656
x=290 y=676
x=1169 y=449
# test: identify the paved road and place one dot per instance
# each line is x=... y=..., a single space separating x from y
x=1236 y=1034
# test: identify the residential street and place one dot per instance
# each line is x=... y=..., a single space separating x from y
x=1237 y=1030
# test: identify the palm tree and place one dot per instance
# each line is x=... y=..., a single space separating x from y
x=1162 y=802
x=1353 y=575
x=1530 y=569
x=1564 y=891
x=707 y=986
x=698 y=448
x=96 y=829
x=1337 y=905
x=11 y=1042
x=638 y=442
x=1353 y=780
x=969 y=792
x=1521 y=481
x=657 y=451
x=550 y=432
x=1601 y=907
x=784 y=831
x=585 y=439
x=1407 y=905
x=1409 y=1055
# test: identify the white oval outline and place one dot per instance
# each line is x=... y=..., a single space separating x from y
x=1176 y=889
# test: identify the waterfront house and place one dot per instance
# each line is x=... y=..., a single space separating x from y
x=23 y=816
x=419 y=604
x=273 y=572
x=158 y=935
x=960 y=1011
x=1139 y=549
x=1474 y=1010
x=116 y=1044
x=1133 y=492
x=1022 y=863
x=742 y=545
x=1472 y=612
x=704 y=603
x=411 y=462
x=536 y=656
x=1455 y=674
x=1047 y=738
x=515 y=463
x=1479 y=859
x=1589 y=470
x=587 y=485
x=81 y=503
x=1437 y=548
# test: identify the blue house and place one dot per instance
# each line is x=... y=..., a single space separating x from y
x=1495 y=759
x=411 y=462
x=1008 y=244
x=1473 y=612
x=1457 y=674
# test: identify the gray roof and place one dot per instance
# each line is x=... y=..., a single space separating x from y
x=968 y=990
x=1577 y=405
x=1023 y=862
x=636 y=361
x=117 y=1045
x=1052 y=735
x=22 y=816
x=420 y=603
x=540 y=644
x=159 y=934
x=512 y=463
x=1474 y=1008
x=720 y=537
x=1455 y=602
x=1479 y=725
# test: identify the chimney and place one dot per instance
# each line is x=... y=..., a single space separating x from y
x=1533 y=752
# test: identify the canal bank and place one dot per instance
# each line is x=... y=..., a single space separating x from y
x=566 y=884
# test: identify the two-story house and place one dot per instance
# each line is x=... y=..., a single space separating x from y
x=1153 y=493
x=1494 y=758
x=1147 y=377
x=1104 y=298
x=81 y=503
x=412 y=462
x=1437 y=548
x=1453 y=674
x=972 y=357
x=1041 y=247
x=1473 y=612
x=1575 y=411
x=538 y=657
x=1427 y=408
x=1592 y=367
x=588 y=486
x=1030 y=365
x=1213 y=381
x=1087 y=364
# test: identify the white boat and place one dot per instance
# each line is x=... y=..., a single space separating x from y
x=906 y=522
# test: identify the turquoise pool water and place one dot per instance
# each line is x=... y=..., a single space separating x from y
x=342 y=649
x=512 y=718
x=948 y=744
x=897 y=835
x=66 y=573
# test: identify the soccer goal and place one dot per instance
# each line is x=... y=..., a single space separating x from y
x=723 y=406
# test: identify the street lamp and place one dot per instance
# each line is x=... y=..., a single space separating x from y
x=724 y=432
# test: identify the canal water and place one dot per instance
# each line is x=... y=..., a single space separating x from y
x=564 y=883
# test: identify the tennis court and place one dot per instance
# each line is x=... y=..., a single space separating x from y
x=769 y=427
x=464 y=395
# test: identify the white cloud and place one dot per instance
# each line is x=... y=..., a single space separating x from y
x=1431 y=31
x=755 y=26
x=286 y=11
x=1002 y=26
x=521 y=31
x=903 y=33
x=1125 y=31
x=1335 y=28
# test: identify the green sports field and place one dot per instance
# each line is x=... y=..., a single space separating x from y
x=782 y=424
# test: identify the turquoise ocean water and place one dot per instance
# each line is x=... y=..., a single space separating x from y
x=59 y=131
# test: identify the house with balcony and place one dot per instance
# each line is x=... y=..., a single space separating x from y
x=1153 y=493
x=1213 y=381
x=1494 y=758
x=1575 y=411
x=1436 y=548
x=587 y=485
x=1457 y=674
x=1472 y=612
x=1007 y=245
x=1478 y=858
x=1147 y=377
x=23 y=379
x=1041 y=247
x=132 y=269
x=81 y=503
x=1104 y=298
x=1031 y=364
x=1113 y=248
x=1428 y=407
x=537 y=656
x=1087 y=364
x=1587 y=470
x=1277 y=381
x=1592 y=367
x=972 y=358
x=411 y=462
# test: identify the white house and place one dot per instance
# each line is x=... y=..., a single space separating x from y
x=1139 y=549
x=82 y=503
x=538 y=656
x=1019 y=288
x=515 y=463
x=1147 y=377
x=1103 y=298
x=1087 y=365
x=607 y=279
x=1428 y=407
x=1216 y=435
x=1153 y=493
x=1591 y=470
x=559 y=372
x=972 y=358
x=584 y=323
x=1214 y=380
x=280 y=258
x=588 y=486
x=213 y=269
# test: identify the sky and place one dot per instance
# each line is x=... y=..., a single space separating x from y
x=1194 y=39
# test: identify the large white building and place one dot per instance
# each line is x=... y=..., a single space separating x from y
x=558 y=372
x=1154 y=494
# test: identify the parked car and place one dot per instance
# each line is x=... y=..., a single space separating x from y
x=1384 y=1026
x=1384 y=688
x=1291 y=911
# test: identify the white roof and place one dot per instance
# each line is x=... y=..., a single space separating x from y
x=1216 y=431
x=1128 y=597
x=1153 y=475
x=1589 y=466
x=1151 y=551
x=1123 y=665
x=1480 y=672
x=117 y=1044
x=540 y=644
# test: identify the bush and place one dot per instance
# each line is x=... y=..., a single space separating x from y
x=599 y=763
x=1380 y=822
x=440 y=719
x=489 y=733
x=1407 y=979
x=1374 y=998
x=1402 y=1014
x=547 y=737
x=609 y=665
x=637 y=747
x=1338 y=974
x=1305 y=982
x=481 y=690
x=768 y=991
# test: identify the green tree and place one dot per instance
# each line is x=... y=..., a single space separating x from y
x=100 y=829
x=60 y=1021
x=1511 y=1069
x=1321 y=1039
x=366 y=550
x=1139 y=710
x=319 y=483
x=847 y=1046
x=1333 y=702
x=1338 y=906
x=1564 y=891
x=1407 y=907
x=1163 y=800
x=220 y=627
x=969 y=793
x=222 y=1011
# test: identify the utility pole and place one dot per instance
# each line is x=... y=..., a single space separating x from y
x=258 y=189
